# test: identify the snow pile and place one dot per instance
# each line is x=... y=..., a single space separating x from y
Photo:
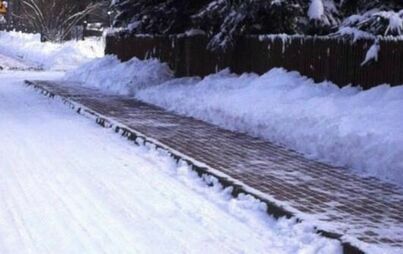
x=122 y=78
x=29 y=49
x=8 y=63
x=361 y=130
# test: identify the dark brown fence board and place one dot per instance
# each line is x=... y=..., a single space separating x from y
x=335 y=59
x=399 y=59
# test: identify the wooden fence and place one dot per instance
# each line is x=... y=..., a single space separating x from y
x=321 y=58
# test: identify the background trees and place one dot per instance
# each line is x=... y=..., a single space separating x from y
x=224 y=20
x=156 y=16
x=221 y=20
x=54 y=19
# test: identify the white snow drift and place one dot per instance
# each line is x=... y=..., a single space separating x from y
x=122 y=78
x=361 y=130
x=29 y=49
x=68 y=186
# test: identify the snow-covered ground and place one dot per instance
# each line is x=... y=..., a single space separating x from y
x=68 y=186
x=361 y=130
x=7 y=63
x=29 y=49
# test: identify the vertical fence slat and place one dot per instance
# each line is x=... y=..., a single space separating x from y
x=334 y=59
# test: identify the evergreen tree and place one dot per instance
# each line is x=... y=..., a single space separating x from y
x=155 y=16
x=225 y=20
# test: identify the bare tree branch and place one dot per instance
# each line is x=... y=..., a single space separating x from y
x=55 y=19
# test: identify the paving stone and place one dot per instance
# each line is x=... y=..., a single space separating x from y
x=363 y=208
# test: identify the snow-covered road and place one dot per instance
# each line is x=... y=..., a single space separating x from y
x=68 y=186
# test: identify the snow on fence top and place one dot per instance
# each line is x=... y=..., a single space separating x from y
x=346 y=33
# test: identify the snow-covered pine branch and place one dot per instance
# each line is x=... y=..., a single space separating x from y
x=316 y=10
x=372 y=53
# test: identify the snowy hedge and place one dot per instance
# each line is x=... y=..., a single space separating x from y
x=223 y=20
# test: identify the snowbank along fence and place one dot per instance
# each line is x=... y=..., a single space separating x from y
x=321 y=58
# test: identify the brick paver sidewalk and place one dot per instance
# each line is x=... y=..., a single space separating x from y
x=365 y=211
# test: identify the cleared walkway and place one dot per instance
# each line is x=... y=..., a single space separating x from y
x=365 y=211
